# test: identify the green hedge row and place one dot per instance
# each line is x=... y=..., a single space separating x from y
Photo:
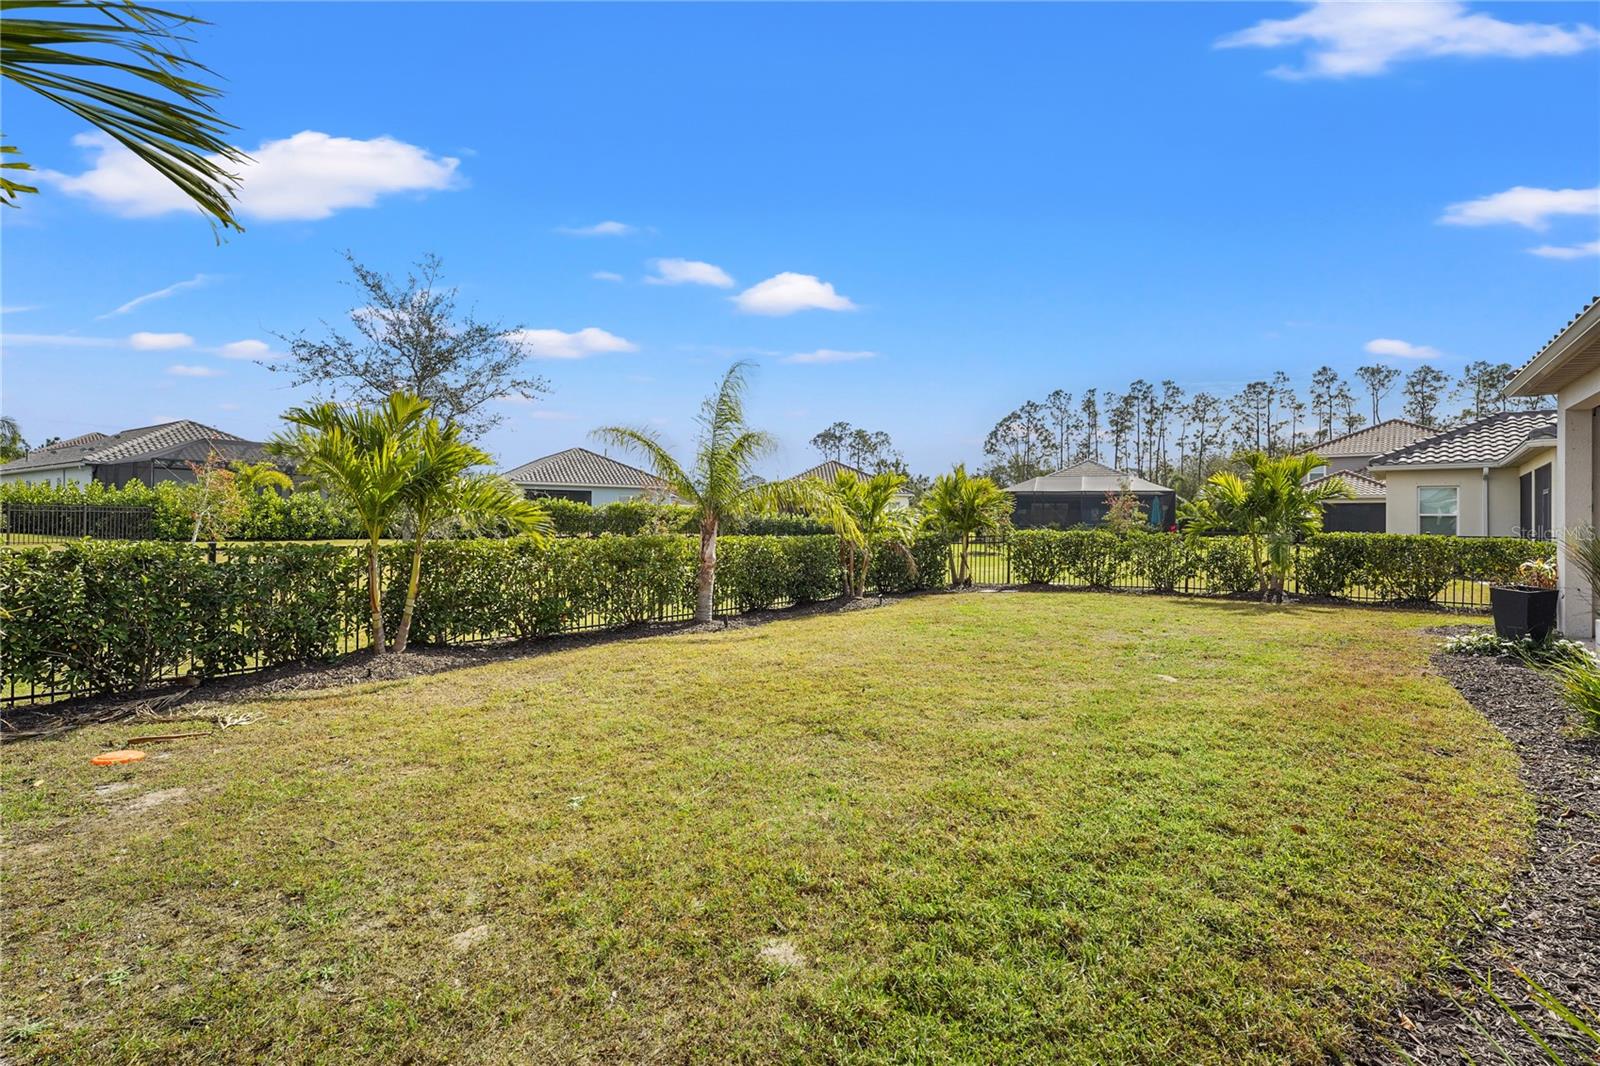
x=114 y=616
x=302 y=515
x=1382 y=567
x=636 y=517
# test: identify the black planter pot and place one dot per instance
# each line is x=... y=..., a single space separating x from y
x=1523 y=611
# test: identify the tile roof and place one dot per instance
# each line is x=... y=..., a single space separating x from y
x=1485 y=442
x=580 y=468
x=1088 y=476
x=1546 y=346
x=1375 y=439
x=167 y=440
x=1362 y=486
x=830 y=470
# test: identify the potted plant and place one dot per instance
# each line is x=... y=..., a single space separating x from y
x=1528 y=607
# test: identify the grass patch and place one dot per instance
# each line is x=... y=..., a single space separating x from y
x=994 y=827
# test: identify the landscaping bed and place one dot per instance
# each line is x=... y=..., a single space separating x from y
x=1548 y=925
x=972 y=828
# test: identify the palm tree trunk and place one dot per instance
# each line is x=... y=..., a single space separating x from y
x=964 y=578
x=375 y=598
x=404 y=631
x=706 y=579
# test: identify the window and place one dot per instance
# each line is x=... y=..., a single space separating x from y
x=1437 y=509
x=1317 y=471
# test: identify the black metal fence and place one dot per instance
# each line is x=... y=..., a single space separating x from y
x=42 y=523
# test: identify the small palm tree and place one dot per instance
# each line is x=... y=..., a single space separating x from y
x=442 y=486
x=1272 y=507
x=178 y=134
x=720 y=483
x=367 y=456
x=863 y=513
x=12 y=444
x=255 y=479
x=963 y=507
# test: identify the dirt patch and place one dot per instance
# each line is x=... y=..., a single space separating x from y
x=781 y=954
x=184 y=699
x=151 y=800
x=468 y=937
x=1549 y=927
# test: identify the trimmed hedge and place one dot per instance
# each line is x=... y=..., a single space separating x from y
x=302 y=515
x=1382 y=567
x=635 y=517
x=107 y=616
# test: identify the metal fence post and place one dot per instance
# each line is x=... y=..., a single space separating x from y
x=211 y=551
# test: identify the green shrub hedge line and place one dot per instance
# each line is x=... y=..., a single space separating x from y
x=115 y=616
x=1368 y=567
x=309 y=515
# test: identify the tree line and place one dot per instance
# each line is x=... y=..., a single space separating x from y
x=1168 y=434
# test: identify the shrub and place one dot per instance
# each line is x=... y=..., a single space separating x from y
x=1163 y=561
x=890 y=573
x=1036 y=556
x=1225 y=562
x=1402 y=568
x=752 y=573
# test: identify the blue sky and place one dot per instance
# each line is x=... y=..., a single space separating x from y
x=993 y=201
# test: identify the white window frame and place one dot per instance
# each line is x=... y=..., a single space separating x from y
x=1454 y=514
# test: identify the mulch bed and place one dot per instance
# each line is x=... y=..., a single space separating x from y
x=1549 y=927
x=183 y=699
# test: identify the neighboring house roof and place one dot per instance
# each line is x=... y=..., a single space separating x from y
x=1486 y=442
x=579 y=468
x=1375 y=439
x=1363 y=487
x=177 y=441
x=1088 y=476
x=1573 y=351
x=829 y=470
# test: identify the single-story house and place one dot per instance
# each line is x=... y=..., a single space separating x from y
x=149 y=454
x=1568 y=367
x=1077 y=495
x=828 y=470
x=1363 y=512
x=587 y=477
x=1489 y=477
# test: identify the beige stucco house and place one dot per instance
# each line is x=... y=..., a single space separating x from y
x=1569 y=368
x=1490 y=477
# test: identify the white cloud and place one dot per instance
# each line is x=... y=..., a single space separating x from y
x=606 y=275
x=1400 y=349
x=786 y=293
x=17 y=309
x=1523 y=206
x=608 y=228
x=159 y=342
x=1354 y=39
x=557 y=344
x=688 y=272
x=829 y=355
x=160 y=294
x=1566 y=251
x=307 y=176
x=183 y=371
x=246 y=349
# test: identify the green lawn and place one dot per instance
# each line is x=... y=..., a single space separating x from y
x=992 y=827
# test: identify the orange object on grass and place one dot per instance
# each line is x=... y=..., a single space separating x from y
x=116 y=758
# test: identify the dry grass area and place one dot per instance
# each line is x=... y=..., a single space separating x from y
x=987 y=827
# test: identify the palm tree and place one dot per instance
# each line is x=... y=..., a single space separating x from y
x=964 y=507
x=1272 y=507
x=369 y=457
x=442 y=486
x=179 y=133
x=862 y=512
x=720 y=483
x=12 y=444
x=255 y=479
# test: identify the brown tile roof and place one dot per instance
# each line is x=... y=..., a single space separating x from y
x=1375 y=439
x=1361 y=485
x=179 y=440
x=829 y=470
x=1484 y=442
x=580 y=468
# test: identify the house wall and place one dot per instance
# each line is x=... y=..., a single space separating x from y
x=598 y=497
x=1576 y=487
x=1346 y=463
x=1499 y=519
x=72 y=476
